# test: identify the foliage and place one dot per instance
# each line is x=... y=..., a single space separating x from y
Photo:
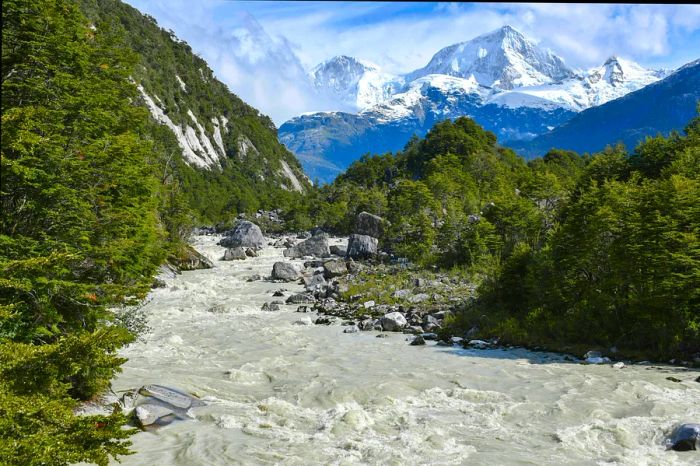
x=573 y=250
x=82 y=227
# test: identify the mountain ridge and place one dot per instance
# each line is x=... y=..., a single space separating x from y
x=508 y=95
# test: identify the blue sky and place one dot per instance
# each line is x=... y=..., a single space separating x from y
x=262 y=49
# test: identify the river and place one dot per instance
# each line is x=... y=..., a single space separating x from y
x=281 y=393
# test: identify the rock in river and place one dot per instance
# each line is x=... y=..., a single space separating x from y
x=316 y=246
x=284 y=271
x=157 y=405
x=235 y=254
x=684 y=438
x=393 y=322
x=246 y=234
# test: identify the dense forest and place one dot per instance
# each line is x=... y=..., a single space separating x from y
x=568 y=250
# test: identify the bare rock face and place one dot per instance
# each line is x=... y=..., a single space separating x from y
x=316 y=246
x=362 y=247
x=370 y=225
x=246 y=235
x=284 y=271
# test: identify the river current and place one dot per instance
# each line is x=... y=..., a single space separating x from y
x=282 y=393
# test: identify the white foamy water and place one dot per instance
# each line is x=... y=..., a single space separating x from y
x=280 y=393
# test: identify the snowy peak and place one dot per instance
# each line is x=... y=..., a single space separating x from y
x=502 y=59
x=617 y=71
x=358 y=84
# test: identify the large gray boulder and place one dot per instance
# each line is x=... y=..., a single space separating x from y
x=284 y=271
x=362 y=247
x=234 y=254
x=246 y=234
x=334 y=268
x=370 y=225
x=393 y=322
x=316 y=246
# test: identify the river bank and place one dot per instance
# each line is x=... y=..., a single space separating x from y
x=282 y=393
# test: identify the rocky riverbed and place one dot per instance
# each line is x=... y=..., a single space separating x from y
x=281 y=388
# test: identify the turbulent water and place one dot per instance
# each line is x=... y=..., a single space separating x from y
x=281 y=393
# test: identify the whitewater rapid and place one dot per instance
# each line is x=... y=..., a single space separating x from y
x=281 y=393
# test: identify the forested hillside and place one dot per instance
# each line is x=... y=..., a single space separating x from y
x=223 y=152
x=99 y=186
x=596 y=251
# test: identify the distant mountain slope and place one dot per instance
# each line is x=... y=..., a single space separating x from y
x=229 y=158
x=660 y=107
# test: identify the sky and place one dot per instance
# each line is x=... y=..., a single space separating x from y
x=263 y=49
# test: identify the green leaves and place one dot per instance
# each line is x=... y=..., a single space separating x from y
x=80 y=229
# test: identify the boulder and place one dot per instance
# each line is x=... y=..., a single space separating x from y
x=300 y=298
x=271 y=307
x=315 y=280
x=393 y=322
x=157 y=405
x=191 y=259
x=595 y=357
x=418 y=341
x=479 y=344
x=337 y=250
x=334 y=268
x=351 y=329
x=250 y=252
x=284 y=271
x=306 y=320
x=370 y=225
x=366 y=324
x=234 y=254
x=246 y=234
x=316 y=246
x=684 y=438
x=428 y=319
x=362 y=247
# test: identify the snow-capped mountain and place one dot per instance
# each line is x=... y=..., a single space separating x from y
x=327 y=142
x=615 y=78
x=661 y=107
x=502 y=80
x=502 y=59
x=356 y=83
